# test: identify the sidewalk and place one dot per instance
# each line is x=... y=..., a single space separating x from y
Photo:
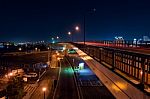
x=120 y=88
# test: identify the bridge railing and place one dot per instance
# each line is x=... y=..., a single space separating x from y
x=131 y=64
x=123 y=43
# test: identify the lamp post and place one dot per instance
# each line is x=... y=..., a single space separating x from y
x=84 y=28
x=77 y=29
x=48 y=60
x=57 y=38
x=44 y=89
x=70 y=34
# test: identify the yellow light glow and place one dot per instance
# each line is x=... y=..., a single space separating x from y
x=35 y=48
x=58 y=58
x=141 y=72
x=122 y=86
x=44 y=89
x=10 y=74
x=58 y=54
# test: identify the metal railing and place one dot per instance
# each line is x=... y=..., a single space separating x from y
x=132 y=64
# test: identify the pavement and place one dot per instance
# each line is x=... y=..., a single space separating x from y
x=119 y=87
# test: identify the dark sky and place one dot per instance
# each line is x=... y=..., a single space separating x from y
x=32 y=20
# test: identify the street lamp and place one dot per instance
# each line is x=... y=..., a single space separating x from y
x=57 y=37
x=70 y=34
x=10 y=74
x=20 y=49
x=44 y=89
x=84 y=19
x=77 y=28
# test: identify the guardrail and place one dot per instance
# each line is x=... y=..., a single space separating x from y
x=132 y=64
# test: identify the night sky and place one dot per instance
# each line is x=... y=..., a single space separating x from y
x=33 y=20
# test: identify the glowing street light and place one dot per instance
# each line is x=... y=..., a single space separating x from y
x=36 y=49
x=20 y=49
x=69 y=33
x=44 y=89
x=57 y=37
x=77 y=28
x=10 y=74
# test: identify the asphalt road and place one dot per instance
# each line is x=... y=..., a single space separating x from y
x=66 y=88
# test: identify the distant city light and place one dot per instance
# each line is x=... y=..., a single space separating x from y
x=36 y=49
x=20 y=49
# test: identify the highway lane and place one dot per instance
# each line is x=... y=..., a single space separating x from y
x=132 y=49
x=66 y=88
x=90 y=86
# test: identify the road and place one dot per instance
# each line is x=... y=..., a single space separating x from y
x=131 y=49
x=66 y=88
x=89 y=84
x=47 y=82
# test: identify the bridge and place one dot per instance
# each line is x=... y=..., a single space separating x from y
x=132 y=63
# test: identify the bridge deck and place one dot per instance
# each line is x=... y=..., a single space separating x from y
x=119 y=87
